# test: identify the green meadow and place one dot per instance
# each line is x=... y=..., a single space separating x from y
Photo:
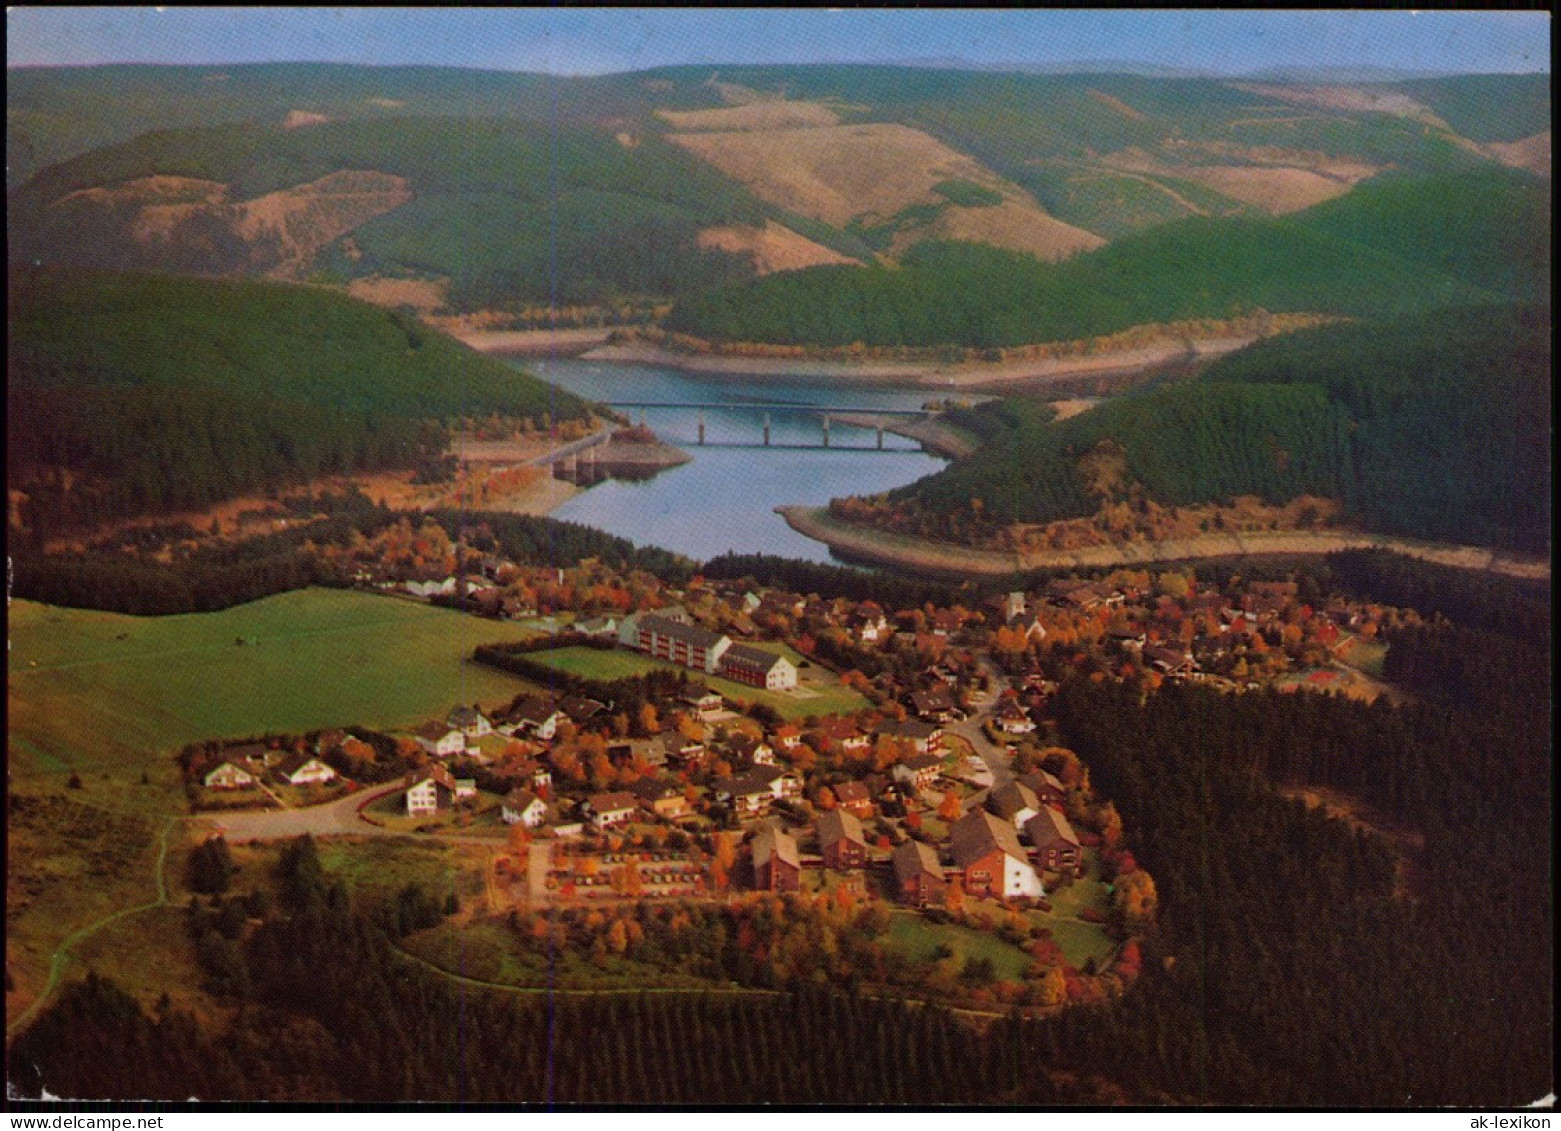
x=817 y=692
x=110 y=696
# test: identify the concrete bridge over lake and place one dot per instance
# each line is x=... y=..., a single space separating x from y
x=880 y=420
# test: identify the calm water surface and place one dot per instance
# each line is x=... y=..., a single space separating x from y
x=724 y=499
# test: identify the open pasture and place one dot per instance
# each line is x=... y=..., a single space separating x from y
x=111 y=696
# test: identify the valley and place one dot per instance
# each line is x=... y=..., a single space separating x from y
x=866 y=584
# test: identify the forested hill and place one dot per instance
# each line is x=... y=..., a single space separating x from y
x=1390 y=246
x=502 y=192
x=494 y=206
x=138 y=393
x=1434 y=426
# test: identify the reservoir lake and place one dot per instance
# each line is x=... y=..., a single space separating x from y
x=725 y=498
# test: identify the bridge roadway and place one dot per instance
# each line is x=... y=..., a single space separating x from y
x=817 y=409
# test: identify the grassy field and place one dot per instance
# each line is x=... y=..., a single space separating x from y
x=375 y=869
x=110 y=696
x=1080 y=941
x=917 y=938
x=818 y=693
x=488 y=950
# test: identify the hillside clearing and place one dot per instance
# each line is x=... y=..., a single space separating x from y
x=753 y=116
x=772 y=247
x=110 y=696
x=839 y=173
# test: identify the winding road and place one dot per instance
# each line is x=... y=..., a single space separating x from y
x=999 y=762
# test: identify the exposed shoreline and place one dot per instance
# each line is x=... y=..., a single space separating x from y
x=925 y=556
x=969 y=376
x=534 y=343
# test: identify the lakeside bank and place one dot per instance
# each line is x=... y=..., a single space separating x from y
x=1079 y=373
x=899 y=551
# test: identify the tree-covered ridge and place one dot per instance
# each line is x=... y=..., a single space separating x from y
x=1184 y=445
x=977 y=296
x=1435 y=426
x=1489 y=227
x=1450 y=430
x=155 y=394
x=1487 y=108
x=497 y=206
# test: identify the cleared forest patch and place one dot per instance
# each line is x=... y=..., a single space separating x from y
x=753 y=116
x=839 y=173
x=773 y=247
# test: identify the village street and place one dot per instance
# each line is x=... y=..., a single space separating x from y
x=335 y=818
x=997 y=758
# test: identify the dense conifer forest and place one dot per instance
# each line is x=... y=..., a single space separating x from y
x=1434 y=425
x=1394 y=245
x=130 y=394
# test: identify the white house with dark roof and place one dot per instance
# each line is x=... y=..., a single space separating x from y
x=228 y=776
x=522 y=807
x=304 y=769
x=989 y=856
x=469 y=721
x=440 y=739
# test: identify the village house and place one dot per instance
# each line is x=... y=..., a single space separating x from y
x=918 y=877
x=469 y=721
x=854 y=798
x=662 y=798
x=781 y=783
x=535 y=715
x=1169 y=661
x=597 y=626
x=1056 y=845
x=868 y=623
x=918 y=772
x=1014 y=802
x=758 y=668
x=533 y=771
x=679 y=643
x=648 y=752
x=1127 y=637
x=679 y=751
x=935 y=705
x=1048 y=790
x=609 y=809
x=777 y=866
x=522 y=807
x=303 y=769
x=701 y=700
x=1011 y=718
x=435 y=790
x=440 y=740
x=747 y=794
x=427 y=796
x=990 y=859
x=581 y=709
x=946 y=622
x=788 y=737
x=228 y=776
x=927 y=738
x=841 y=841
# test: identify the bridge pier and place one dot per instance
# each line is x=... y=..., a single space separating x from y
x=701 y=429
x=826 y=429
x=766 y=430
x=880 y=437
